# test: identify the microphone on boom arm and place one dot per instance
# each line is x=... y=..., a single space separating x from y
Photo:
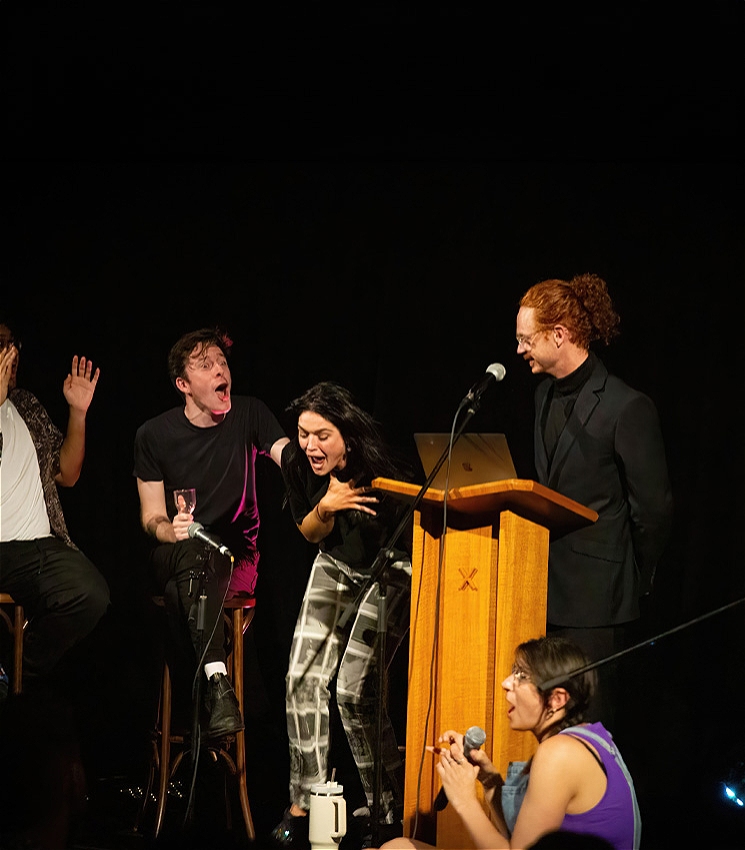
x=496 y=372
x=196 y=530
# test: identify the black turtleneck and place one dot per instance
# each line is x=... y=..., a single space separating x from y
x=561 y=398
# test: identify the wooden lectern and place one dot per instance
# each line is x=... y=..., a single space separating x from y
x=469 y=610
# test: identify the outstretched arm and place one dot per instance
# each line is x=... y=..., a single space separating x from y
x=277 y=449
x=78 y=390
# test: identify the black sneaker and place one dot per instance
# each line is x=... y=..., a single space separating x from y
x=386 y=831
x=291 y=831
x=221 y=705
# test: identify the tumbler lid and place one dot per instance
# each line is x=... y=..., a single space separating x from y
x=327 y=789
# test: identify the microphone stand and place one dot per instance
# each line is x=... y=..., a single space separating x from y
x=377 y=572
x=196 y=738
x=559 y=680
x=201 y=605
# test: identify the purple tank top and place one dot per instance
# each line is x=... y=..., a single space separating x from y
x=613 y=818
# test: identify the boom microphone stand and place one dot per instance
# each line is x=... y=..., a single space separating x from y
x=377 y=574
x=558 y=680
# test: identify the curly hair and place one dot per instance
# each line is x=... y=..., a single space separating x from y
x=582 y=304
x=10 y=323
x=368 y=455
x=181 y=351
x=549 y=657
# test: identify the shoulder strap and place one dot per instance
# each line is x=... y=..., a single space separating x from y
x=590 y=750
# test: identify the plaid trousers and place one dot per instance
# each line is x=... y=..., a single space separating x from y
x=320 y=649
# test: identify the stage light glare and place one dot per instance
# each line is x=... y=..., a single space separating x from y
x=734 y=796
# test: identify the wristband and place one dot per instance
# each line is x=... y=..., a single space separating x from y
x=324 y=521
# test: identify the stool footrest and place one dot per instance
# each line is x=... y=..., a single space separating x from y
x=238 y=614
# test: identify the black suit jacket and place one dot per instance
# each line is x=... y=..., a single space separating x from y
x=610 y=457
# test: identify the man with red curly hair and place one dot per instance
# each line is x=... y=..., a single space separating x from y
x=599 y=442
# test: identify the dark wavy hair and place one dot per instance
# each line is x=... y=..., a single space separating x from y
x=582 y=304
x=368 y=455
x=546 y=659
x=178 y=356
x=10 y=323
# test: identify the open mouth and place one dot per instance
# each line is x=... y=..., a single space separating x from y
x=316 y=462
x=222 y=391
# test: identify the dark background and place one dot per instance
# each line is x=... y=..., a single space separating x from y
x=364 y=196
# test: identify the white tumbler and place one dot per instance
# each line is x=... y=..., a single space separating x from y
x=328 y=816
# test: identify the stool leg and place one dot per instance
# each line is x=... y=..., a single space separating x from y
x=239 y=627
x=164 y=774
x=18 y=626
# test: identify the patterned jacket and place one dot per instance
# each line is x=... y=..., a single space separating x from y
x=47 y=440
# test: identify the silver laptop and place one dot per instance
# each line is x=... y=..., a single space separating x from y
x=475 y=459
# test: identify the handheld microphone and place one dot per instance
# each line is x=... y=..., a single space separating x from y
x=196 y=530
x=495 y=371
x=472 y=740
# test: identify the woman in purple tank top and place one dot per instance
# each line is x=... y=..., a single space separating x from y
x=576 y=782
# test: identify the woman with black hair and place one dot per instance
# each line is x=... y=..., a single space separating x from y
x=328 y=468
x=576 y=782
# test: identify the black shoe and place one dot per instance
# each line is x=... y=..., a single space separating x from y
x=291 y=831
x=386 y=831
x=221 y=705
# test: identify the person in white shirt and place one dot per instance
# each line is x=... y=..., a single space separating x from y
x=63 y=594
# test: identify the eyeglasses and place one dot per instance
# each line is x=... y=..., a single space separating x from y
x=526 y=340
x=206 y=364
x=519 y=675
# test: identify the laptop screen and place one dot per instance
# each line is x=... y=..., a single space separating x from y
x=475 y=459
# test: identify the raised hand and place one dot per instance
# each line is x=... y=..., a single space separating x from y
x=80 y=384
x=8 y=360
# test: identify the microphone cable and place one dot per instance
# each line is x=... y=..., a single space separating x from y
x=197 y=743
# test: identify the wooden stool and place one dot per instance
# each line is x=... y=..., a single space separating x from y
x=238 y=613
x=15 y=627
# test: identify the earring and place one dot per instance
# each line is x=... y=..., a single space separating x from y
x=550 y=712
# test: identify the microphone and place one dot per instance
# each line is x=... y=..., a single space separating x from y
x=196 y=529
x=472 y=740
x=496 y=371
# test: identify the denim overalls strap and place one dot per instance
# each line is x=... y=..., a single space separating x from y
x=583 y=732
x=513 y=792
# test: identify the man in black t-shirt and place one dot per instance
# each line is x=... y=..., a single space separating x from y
x=208 y=444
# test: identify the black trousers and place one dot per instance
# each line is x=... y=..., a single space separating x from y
x=181 y=570
x=62 y=593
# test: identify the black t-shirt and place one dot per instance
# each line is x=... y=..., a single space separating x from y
x=219 y=462
x=356 y=538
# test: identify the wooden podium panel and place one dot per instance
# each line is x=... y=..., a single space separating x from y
x=477 y=592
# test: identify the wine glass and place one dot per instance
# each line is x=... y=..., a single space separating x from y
x=186 y=500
